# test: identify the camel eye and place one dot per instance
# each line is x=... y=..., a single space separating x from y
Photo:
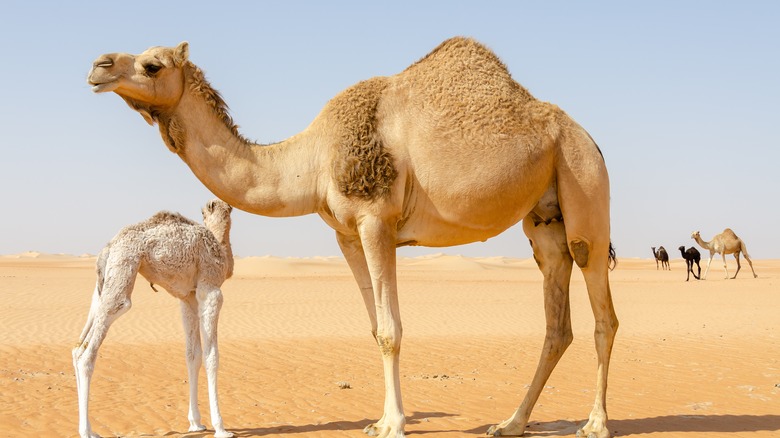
x=152 y=69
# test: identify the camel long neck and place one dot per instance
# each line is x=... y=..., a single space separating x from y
x=701 y=242
x=223 y=236
x=283 y=179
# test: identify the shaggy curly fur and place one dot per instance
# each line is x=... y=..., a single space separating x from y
x=363 y=167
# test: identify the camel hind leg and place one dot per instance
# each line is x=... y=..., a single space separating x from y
x=552 y=256
x=591 y=249
x=750 y=262
x=106 y=308
x=583 y=192
x=747 y=257
x=596 y=276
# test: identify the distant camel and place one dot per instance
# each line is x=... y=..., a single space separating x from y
x=691 y=255
x=724 y=243
x=662 y=256
x=190 y=261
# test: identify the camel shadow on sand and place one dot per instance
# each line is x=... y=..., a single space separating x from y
x=662 y=424
x=627 y=427
x=305 y=429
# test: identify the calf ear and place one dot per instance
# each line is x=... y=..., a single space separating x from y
x=182 y=53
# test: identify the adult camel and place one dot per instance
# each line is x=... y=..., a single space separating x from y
x=661 y=256
x=449 y=151
x=724 y=243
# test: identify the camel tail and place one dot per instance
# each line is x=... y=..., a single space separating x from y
x=612 y=257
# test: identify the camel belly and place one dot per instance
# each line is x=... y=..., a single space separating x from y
x=437 y=233
x=464 y=219
x=449 y=204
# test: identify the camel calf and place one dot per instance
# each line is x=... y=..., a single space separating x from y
x=189 y=260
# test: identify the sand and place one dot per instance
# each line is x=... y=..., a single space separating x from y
x=691 y=359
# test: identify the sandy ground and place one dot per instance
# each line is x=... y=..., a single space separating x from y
x=691 y=359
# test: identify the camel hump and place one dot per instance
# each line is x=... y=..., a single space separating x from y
x=729 y=233
x=466 y=68
x=460 y=52
x=168 y=216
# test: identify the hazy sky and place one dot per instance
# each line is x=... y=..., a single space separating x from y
x=683 y=97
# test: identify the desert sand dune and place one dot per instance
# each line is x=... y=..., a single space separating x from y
x=700 y=358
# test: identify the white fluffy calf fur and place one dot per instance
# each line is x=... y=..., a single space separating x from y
x=190 y=261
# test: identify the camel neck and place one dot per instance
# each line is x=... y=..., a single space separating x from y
x=224 y=240
x=281 y=179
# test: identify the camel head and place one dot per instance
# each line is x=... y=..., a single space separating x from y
x=216 y=215
x=682 y=248
x=695 y=235
x=150 y=82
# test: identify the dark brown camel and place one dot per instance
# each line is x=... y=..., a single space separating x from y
x=691 y=255
x=662 y=256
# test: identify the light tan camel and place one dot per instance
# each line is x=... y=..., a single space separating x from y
x=450 y=151
x=724 y=243
x=191 y=262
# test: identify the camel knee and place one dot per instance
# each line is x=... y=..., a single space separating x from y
x=389 y=342
x=84 y=360
x=557 y=340
x=607 y=329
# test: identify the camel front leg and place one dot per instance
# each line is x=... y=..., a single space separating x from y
x=552 y=256
x=356 y=259
x=725 y=267
x=210 y=299
x=193 y=355
x=707 y=270
x=378 y=242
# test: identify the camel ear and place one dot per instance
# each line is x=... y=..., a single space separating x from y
x=182 y=53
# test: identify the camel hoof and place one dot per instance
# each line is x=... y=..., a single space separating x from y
x=603 y=433
x=381 y=431
x=196 y=428
x=504 y=430
x=223 y=434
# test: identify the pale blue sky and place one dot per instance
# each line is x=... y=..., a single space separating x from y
x=683 y=97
